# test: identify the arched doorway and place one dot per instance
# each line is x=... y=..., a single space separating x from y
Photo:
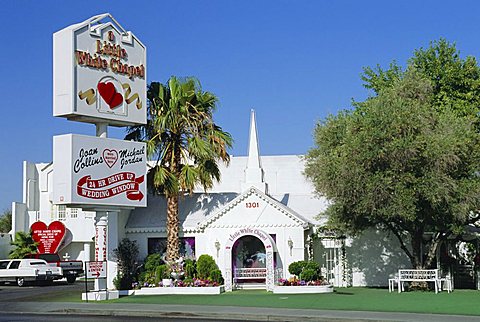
x=249 y=261
x=249 y=256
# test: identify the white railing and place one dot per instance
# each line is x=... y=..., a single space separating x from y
x=250 y=273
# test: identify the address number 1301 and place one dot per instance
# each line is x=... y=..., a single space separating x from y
x=252 y=205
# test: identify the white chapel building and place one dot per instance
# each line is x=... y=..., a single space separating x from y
x=260 y=218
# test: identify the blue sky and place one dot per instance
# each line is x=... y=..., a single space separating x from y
x=294 y=62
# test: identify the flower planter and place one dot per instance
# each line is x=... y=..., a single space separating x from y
x=311 y=289
x=166 y=282
x=180 y=290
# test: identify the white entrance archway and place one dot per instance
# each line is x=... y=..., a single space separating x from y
x=270 y=249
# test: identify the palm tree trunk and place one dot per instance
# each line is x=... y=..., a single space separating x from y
x=173 y=249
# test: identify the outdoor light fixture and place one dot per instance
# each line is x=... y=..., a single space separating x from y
x=217 y=246
x=290 y=244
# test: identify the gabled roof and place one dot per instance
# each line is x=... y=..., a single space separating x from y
x=98 y=23
x=192 y=210
x=288 y=212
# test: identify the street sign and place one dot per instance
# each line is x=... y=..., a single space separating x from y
x=96 y=269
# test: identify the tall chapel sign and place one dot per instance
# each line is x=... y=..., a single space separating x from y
x=99 y=77
x=99 y=73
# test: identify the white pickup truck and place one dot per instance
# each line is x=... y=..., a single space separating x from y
x=22 y=271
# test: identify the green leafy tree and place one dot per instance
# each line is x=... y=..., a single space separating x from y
x=399 y=164
x=6 y=221
x=184 y=141
x=23 y=245
x=455 y=81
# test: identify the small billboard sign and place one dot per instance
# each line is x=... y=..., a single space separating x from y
x=94 y=172
x=48 y=238
x=96 y=269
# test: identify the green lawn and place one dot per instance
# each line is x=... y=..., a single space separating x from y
x=464 y=302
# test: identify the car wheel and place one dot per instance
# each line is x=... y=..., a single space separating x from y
x=71 y=279
x=20 y=281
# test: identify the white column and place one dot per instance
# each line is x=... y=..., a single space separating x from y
x=101 y=221
x=112 y=243
x=86 y=252
x=101 y=130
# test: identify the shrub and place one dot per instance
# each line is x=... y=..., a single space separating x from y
x=126 y=256
x=123 y=282
x=190 y=270
x=305 y=270
x=216 y=276
x=312 y=265
x=296 y=268
x=152 y=262
x=309 y=274
x=205 y=265
x=161 y=272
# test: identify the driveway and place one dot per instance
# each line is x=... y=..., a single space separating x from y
x=11 y=292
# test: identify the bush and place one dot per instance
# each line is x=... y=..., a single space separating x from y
x=216 y=276
x=305 y=270
x=152 y=262
x=296 y=268
x=161 y=272
x=205 y=266
x=190 y=270
x=123 y=282
x=126 y=256
x=309 y=274
x=312 y=265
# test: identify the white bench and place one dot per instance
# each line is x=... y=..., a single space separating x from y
x=249 y=273
x=419 y=275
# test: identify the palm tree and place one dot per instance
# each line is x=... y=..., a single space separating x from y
x=184 y=141
x=24 y=245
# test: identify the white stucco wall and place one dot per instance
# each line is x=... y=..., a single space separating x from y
x=5 y=247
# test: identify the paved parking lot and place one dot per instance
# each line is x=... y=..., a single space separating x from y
x=11 y=292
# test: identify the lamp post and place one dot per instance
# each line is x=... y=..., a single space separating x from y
x=217 y=246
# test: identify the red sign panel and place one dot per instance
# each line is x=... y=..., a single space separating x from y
x=49 y=238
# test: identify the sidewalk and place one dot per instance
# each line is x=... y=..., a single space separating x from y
x=218 y=312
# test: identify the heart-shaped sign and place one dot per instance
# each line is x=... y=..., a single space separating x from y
x=48 y=238
x=109 y=94
x=110 y=157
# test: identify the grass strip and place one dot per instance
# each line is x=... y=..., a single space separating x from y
x=462 y=302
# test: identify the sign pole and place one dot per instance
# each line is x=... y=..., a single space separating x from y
x=86 y=288
x=106 y=274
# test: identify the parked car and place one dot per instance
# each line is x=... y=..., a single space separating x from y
x=71 y=269
x=22 y=271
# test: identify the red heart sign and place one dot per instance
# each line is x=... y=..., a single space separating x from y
x=110 y=157
x=109 y=94
x=48 y=238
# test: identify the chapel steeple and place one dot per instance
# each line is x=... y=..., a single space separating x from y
x=253 y=171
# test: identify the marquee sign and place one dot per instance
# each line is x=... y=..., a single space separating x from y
x=48 y=238
x=98 y=171
x=99 y=73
